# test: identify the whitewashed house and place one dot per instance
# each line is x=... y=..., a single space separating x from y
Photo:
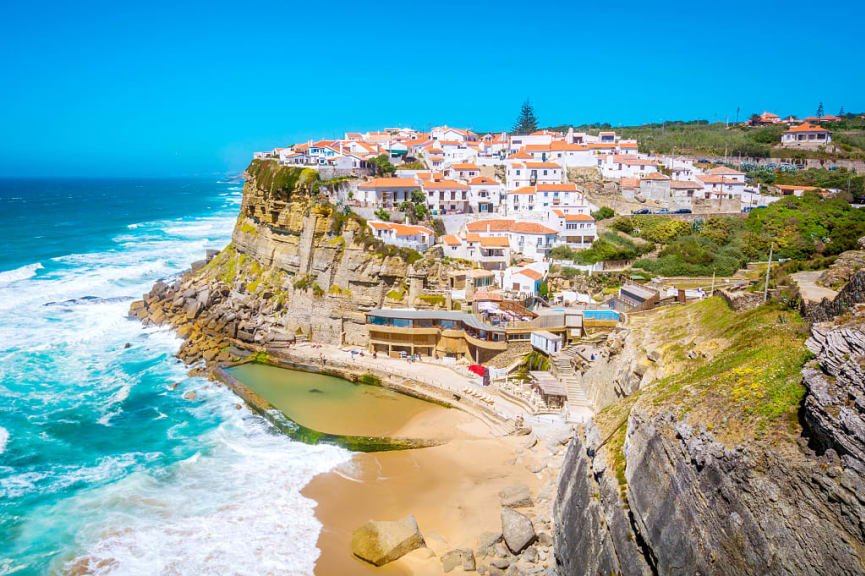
x=530 y=173
x=386 y=192
x=446 y=196
x=577 y=231
x=463 y=171
x=806 y=136
x=403 y=235
x=485 y=194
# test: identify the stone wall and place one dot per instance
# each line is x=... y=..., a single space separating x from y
x=851 y=294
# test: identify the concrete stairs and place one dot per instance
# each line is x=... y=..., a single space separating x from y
x=579 y=406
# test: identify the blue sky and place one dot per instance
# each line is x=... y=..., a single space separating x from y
x=156 y=89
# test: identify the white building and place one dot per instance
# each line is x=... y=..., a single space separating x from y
x=530 y=173
x=387 y=192
x=485 y=194
x=487 y=252
x=578 y=231
x=617 y=166
x=446 y=196
x=806 y=136
x=463 y=171
x=403 y=235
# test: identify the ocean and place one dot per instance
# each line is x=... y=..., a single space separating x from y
x=104 y=467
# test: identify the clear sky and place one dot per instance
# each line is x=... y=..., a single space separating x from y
x=180 y=88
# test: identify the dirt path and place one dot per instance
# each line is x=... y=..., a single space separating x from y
x=808 y=288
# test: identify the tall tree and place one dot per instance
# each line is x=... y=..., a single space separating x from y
x=526 y=121
x=841 y=112
x=820 y=110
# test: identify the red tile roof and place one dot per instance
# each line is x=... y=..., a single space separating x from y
x=376 y=183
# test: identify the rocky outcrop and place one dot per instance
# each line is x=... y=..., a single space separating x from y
x=295 y=269
x=679 y=501
x=517 y=530
x=592 y=529
x=851 y=294
x=844 y=267
x=380 y=542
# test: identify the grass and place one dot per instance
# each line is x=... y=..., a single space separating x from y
x=750 y=384
x=432 y=299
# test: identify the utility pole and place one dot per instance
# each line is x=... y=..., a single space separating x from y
x=768 y=267
x=712 y=293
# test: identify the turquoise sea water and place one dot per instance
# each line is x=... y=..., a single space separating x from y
x=103 y=467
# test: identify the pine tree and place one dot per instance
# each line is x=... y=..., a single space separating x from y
x=526 y=121
x=820 y=110
x=841 y=112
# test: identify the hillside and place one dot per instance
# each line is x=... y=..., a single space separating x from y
x=700 y=138
x=739 y=454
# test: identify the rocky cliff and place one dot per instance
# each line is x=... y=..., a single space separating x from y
x=296 y=267
x=746 y=458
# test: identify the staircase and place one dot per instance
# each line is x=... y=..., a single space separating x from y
x=561 y=366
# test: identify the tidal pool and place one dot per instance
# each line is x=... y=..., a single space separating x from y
x=330 y=404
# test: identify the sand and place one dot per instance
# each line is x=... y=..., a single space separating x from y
x=451 y=489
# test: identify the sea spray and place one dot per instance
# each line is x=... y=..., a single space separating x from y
x=103 y=461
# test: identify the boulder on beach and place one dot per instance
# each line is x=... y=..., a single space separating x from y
x=517 y=530
x=379 y=542
x=517 y=496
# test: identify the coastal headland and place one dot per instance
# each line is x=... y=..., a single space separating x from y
x=727 y=438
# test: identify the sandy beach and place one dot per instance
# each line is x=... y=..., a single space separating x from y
x=451 y=489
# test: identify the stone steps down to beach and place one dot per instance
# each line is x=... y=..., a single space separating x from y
x=562 y=367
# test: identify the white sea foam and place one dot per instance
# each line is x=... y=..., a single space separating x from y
x=231 y=511
x=22 y=273
x=233 y=507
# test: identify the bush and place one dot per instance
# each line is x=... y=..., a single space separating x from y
x=603 y=213
x=432 y=299
x=382 y=214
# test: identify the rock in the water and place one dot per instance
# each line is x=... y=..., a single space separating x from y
x=380 y=542
x=516 y=496
x=517 y=530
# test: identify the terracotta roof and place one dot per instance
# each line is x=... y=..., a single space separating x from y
x=451 y=240
x=497 y=241
x=464 y=166
x=389 y=183
x=542 y=165
x=378 y=225
x=629 y=182
x=656 y=176
x=557 y=187
x=473 y=237
x=519 y=156
x=482 y=180
x=726 y=171
x=806 y=127
x=523 y=190
x=685 y=185
x=409 y=229
x=487 y=296
x=497 y=225
x=530 y=228
x=793 y=187
x=444 y=184
x=602 y=145
x=717 y=179
x=578 y=217
x=533 y=274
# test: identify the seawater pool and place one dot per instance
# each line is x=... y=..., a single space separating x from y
x=331 y=404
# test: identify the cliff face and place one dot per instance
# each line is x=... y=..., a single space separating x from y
x=705 y=472
x=295 y=267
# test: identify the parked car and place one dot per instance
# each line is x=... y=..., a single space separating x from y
x=642 y=211
x=662 y=211
x=682 y=211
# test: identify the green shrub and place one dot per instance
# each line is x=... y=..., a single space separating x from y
x=432 y=299
x=603 y=213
